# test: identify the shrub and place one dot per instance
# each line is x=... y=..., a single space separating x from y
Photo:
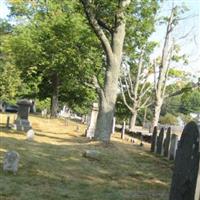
x=169 y=119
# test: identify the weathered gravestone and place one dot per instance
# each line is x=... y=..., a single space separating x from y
x=154 y=139
x=11 y=161
x=167 y=142
x=159 y=143
x=92 y=123
x=22 y=123
x=186 y=165
x=173 y=146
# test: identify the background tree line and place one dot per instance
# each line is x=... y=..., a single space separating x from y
x=78 y=52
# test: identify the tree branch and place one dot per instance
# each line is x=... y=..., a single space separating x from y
x=183 y=90
x=98 y=87
x=128 y=89
x=123 y=95
x=105 y=26
x=87 y=5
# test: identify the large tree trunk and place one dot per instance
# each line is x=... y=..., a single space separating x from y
x=157 y=110
x=133 y=121
x=55 y=93
x=113 y=47
x=107 y=105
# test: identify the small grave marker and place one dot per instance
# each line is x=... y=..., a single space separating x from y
x=30 y=134
x=11 y=160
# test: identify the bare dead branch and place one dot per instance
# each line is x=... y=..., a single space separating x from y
x=123 y=95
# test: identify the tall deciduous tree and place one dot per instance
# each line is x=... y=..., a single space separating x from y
x=9 y=74
x=111 y=36
x=170 y=53
x=51 y=45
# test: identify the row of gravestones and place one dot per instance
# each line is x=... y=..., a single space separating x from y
x=164 y=143
x=186 y=174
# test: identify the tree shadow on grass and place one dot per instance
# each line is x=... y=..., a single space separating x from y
x=49 y=171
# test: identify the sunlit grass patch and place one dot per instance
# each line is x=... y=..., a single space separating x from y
x=52 y=167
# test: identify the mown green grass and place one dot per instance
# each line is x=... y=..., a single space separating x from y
x=52 y=167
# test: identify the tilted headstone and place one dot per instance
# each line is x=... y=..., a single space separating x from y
x=22 y=122
x=154 y=139
x=159 y=143
x=186 y=165
x=173 y=146
x=92 y=124
x=11 y=161
x=166 y=143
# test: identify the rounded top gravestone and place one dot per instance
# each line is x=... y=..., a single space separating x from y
x=186 y=164
x=24 y=108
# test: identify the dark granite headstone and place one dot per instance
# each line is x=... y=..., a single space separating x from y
x=173 y=146
x=166 y=143
x=22 y=123
x=154 y=139
x=186 y=165
x=159 y=143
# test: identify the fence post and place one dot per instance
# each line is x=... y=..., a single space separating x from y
x=123 y=130
x=8 y=122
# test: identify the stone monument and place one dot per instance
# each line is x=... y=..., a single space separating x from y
x=22 y=123
x=92 y=123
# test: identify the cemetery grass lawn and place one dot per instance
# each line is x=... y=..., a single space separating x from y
x=52 y=166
